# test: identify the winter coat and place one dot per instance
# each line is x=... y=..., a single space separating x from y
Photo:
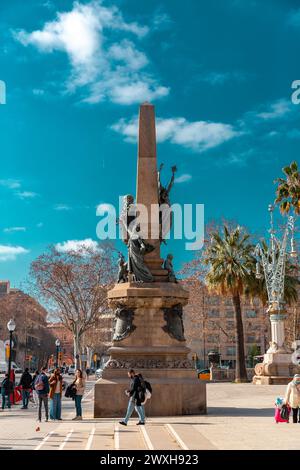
x=26 y=381
x=6 y=386
x=80 y=386
x=292 y=396
x=46 y=388
x=136 y=390
x=53 y=382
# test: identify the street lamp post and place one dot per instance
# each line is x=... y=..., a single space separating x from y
x=273 y=261
x=57 y=344
x=11 y=328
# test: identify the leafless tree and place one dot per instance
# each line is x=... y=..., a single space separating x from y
x=75 y=284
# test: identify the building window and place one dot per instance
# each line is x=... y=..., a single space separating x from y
x=214 y=313
x=213 y=300
x=230 y=325
x=229 y=314
x=228 y=302
x=212 y=339
x=251 y=339
x=251 y=314
x=230 y=351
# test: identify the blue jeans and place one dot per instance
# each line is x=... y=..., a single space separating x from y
x=139 y=409
x=4 y=397
x=78 y=399
x=25 y=398
x=55 y=406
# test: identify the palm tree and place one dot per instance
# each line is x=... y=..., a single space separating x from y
x=288 y=190
x=229 y=257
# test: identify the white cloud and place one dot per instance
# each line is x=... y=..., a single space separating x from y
x=10 y=183
x=9 y=253
x=14 y=229
x=77 y=246
x=103 y=68
x=276 y=110
x=62 y=207
x=26 y=194
x=183 y=178
x=197 y=135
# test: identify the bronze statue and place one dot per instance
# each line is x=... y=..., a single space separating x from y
x=165 y=215
x=123 y=271
x=174 y=323
x=168 y=265
x=164 y=192
x=137 y=248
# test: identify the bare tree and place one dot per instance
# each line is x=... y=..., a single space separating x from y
x=75 y=283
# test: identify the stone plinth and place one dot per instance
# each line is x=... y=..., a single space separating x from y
x=174 y=393
x=276 y=369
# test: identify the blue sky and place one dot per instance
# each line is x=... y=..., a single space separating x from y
x=218 y=72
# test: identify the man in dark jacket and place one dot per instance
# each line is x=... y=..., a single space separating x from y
x=42 y=388
x=25 y=383
x=6 y=389
x=136 y=395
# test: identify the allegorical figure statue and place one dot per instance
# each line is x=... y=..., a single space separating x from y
x=164 y=192
x=137 y=248
x=127 y=215
x=165 y=215
x=168 y=265
x=123 y=270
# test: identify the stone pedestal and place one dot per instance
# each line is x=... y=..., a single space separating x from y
x=175 y=393
x=276 y=369
x=154 y=346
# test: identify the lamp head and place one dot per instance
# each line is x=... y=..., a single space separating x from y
x=11 y=325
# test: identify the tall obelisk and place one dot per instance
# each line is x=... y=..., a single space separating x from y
x=147 y=186
x=148 y=328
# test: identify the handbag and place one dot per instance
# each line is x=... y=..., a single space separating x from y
x=284 y=413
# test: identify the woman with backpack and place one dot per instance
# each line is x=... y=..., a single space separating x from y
x=292 y=397
x=55 y=383
x=79 y=384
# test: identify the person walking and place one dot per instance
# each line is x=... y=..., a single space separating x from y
x=292 y=397
x=55 y=383
x=25 y=384
x=136 y=395
x=6 y=389
x=42 y=388
x=79 y=383
x=34 y=392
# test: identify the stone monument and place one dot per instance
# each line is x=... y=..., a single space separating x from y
x=148 y=304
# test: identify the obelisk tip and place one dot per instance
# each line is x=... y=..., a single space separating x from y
x=146 y=103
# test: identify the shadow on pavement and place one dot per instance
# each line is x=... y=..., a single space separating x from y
x=232 y=411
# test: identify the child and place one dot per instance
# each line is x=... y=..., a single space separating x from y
x=279 y=402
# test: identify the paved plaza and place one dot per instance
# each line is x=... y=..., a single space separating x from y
x=240 y=416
